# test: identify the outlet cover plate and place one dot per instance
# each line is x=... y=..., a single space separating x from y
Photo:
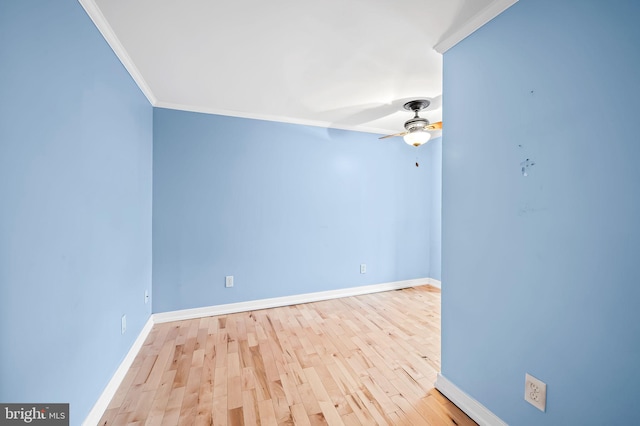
x=535 y=392
x=363 y=268
x=228 y=281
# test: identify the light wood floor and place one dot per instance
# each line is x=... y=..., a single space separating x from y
x=361 y=360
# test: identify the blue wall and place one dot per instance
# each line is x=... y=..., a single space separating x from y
x=540 y=272
x=286 y=209
x=75 y=206
x=435 y=180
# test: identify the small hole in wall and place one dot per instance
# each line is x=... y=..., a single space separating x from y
x=417 y=165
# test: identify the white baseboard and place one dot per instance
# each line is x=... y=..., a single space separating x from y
x=470 y=406
x=433 y=282
x=275 y=302
x=107 y=395
x=103 y=402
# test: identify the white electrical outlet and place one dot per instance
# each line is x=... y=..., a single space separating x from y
x=535 y=392
x=123 y=324
x=228 y=281
x=363 y=268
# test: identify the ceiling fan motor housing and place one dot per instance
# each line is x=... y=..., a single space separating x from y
x=416 y=123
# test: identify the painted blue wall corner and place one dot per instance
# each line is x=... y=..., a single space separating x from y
x=540 y=271
x=75 y=206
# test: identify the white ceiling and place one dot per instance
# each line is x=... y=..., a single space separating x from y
x=347 y=64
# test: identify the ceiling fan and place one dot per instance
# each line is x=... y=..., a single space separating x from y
x=417 y=128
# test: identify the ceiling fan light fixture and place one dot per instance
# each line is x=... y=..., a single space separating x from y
x=417 y=137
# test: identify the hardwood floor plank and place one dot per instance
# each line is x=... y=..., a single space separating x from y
x=345 y=382
x=161 y=399
x=379 y=396
x=219 y=410
x=172 y=413
x=330 y=413
x=207 y=381
x=234 y=381
x=322 y=396
x=409 y=410
x=159 y=368
x=280 y=404
x=300 y=416
x=141 y=412
x=309 y=399
x=290 y=389
x=366 y=402
x=235 y=417
x=261 y=385
x=189 y=408
x=120 y=396
x=363 y=360
x=250 y=407
x=266 y=413
x=220 y=385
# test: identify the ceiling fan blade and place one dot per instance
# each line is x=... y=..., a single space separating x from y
x=435 y=126
x=391 y=136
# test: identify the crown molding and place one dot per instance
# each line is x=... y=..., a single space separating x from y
x=280 y=119
x=268 y=117
x=109 y=35
x=481 y=18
